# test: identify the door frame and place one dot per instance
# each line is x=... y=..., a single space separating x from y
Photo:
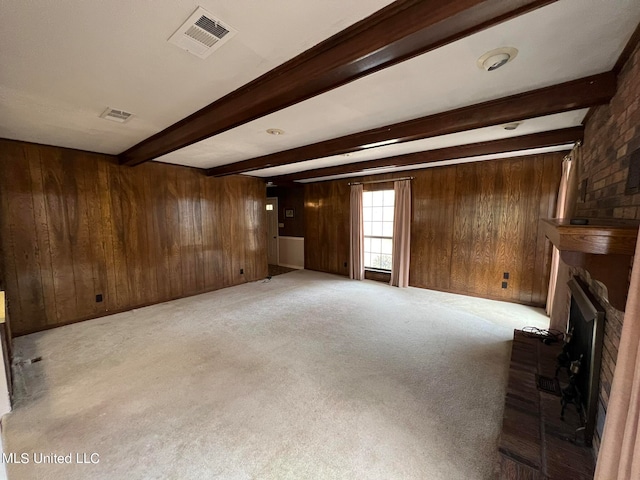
x=274 y=201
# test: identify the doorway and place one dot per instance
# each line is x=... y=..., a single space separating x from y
x=272 y=230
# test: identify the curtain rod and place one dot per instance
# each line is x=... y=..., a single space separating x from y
x=381 y=181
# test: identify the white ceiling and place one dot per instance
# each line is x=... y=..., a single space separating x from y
x=63 y=62
x=90 y=55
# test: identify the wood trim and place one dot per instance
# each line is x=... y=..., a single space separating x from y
x=631 y=45
x=524 y=142
x=604 y=248
x=573 y=95
x=400 y=31
x=384 y=277
x=601 y=237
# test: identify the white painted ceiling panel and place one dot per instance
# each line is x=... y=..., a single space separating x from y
x=64 y=62
x=563 y=41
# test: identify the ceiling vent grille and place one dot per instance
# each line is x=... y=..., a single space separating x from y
x=116 y=115
x=202 y=34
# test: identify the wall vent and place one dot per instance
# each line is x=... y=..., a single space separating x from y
x=202 y=34
x=116 y=115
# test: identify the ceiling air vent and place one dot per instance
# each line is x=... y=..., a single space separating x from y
x=201 y=34
x=116 y=115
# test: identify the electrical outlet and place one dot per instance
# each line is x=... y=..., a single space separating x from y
x=242 y=271
x=504 y=284
x=505 y=275
x=99 y=298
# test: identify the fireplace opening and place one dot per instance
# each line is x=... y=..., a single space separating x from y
x=582 y=356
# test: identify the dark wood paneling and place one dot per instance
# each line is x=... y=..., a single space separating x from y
x=402 y=30
x=76 y=224
x=326 y=244
x=497 y=205
x=470 y=224
x=581 y=93
x=431 y=228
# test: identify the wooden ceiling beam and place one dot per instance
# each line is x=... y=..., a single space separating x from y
x=400 y=31
x=582 y=93
x=525 y=142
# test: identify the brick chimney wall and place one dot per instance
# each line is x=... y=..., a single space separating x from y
x=612 y=133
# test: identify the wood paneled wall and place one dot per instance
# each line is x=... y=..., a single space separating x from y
x=76 y=224
x=470 y=223
x=326 y=207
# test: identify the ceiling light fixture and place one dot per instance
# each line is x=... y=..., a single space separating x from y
x=275 y=131
x=512 y=126
x=497 y=58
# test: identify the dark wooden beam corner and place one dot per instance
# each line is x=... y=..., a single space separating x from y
x=400 y=31
x=524 y=142
x=628 y=50
x=581 y=93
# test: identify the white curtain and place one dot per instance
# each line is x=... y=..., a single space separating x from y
x=619 y=455
x=356 y=270
x=401 y=234
x=561 y=208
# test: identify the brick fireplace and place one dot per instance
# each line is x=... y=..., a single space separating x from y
x=612 y=134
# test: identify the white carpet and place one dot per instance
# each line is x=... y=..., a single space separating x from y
x=308 y=376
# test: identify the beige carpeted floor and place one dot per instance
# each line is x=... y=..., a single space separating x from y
x=308 y=376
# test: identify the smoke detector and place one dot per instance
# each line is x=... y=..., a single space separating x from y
x=116 y=115
x=497 y=58
x=202 y=34
x=275 y=131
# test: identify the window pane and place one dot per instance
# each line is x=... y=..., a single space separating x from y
x=387 y=246
x=376 y=245
x=388 y=214
x=389 y=196
x=378 y=216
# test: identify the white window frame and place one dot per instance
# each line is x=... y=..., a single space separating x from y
x=378 y=223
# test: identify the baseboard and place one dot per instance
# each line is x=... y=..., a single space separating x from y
x=297 y=267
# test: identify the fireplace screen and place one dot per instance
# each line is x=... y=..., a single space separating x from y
x=586 y=330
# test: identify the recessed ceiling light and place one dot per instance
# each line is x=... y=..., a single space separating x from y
x=511 y=126
x=497 y=58
x=275 y=131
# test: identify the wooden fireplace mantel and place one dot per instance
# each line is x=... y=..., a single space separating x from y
x=604 y=248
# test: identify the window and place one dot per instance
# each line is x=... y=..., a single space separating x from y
x=378 y=228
